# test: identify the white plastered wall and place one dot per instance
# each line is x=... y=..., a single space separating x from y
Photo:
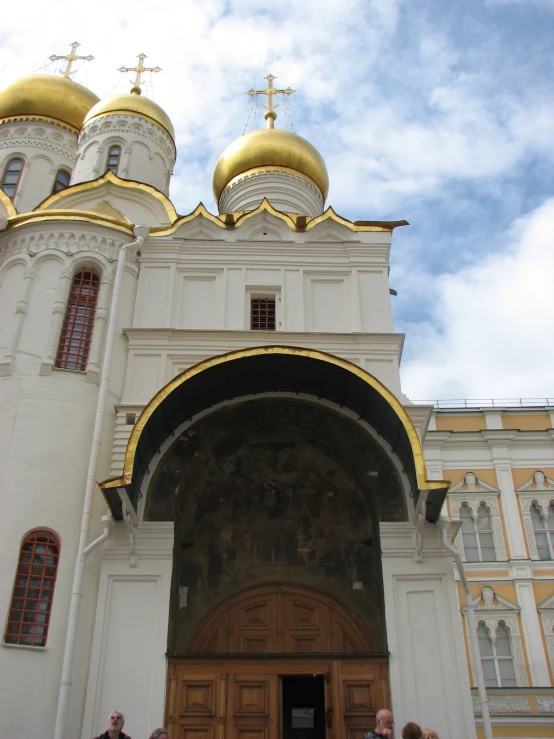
x=128 y=665
x=428 y=669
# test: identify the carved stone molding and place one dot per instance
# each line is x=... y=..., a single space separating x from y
x=70 y=243
x=40 y=135
x=122 y=125
x=545 y=703
x=504 y=704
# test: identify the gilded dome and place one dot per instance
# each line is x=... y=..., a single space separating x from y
x=270 y=147
x=135 y=105
x=47 y=96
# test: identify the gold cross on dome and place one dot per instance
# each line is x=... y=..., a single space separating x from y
x=270 y=114
x=70 y=58
x=139 y=69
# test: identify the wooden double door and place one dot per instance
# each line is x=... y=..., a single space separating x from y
x=275 y=697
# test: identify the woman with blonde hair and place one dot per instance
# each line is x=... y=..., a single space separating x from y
x=430 y=734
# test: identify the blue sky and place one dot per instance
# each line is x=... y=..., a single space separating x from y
x=440 y=112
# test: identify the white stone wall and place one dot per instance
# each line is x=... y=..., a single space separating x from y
x=46 y=422
x=45 y=147
x=147 y=151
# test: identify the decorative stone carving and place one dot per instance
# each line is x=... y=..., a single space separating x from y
x=545 y=703
x=473 y=492
x=58 y=312
x=504 y=704
x=539 y=489
x=494 y=610
x=70 y=243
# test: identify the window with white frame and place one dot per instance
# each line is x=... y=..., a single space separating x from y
x=543 y=529
x=496 y=656
x=477 y=534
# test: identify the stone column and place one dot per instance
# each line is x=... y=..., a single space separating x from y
x=428 y=668
x=58 y=313
x=20 y=313
x=536 y=656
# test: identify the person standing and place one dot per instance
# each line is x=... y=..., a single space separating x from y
x=115 y=727
x=383 y=727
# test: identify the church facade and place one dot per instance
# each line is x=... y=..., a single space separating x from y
x=219 y=510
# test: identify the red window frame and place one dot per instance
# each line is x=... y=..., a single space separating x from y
x=78 y=322
x=114 y=155
x=59 y=186
x=262 y=314
x=10 y=188
x=33 y=590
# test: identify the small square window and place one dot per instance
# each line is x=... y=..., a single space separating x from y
x=262 y=314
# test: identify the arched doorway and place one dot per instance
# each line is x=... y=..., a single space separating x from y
x=274 y=662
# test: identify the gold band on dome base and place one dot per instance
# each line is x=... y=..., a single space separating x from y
x=135 y=115
x=39 y=119
x=268 y=170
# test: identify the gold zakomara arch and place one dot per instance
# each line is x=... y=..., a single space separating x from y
x=157 y=400
x=11 y=210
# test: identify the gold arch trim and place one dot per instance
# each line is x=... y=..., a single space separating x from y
x=197 y=369
x=11 y=210
x=40 y=216
x=109 y=176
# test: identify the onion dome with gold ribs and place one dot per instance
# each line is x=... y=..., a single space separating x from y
x=269 y=150
x=47 y=96
x=133 y=103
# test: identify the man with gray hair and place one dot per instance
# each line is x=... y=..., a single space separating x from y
x=384 y=726
x=115 y=727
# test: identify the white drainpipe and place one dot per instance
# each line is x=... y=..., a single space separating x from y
x=473 y=638
x=141 y=233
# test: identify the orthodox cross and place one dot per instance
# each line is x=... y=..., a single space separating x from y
x=70 y=58
x=139 y=69
x=270 y=114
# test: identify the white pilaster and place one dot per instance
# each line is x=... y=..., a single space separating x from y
x=536 y=657
x=428 y=668
x=514 y=529
x=128 y=663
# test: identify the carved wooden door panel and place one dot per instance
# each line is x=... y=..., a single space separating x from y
x=364 y=690
x=253 y=706
x=196 y=704
x=333 y=713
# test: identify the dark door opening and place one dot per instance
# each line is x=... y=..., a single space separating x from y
x=303 y=707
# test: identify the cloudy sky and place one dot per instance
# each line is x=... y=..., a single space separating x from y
x=437 y=111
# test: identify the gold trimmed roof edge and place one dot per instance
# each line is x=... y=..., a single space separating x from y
x=36 y=117
x=126 y=477
x=39 y=216
x=296 y=222
x=109 y=176
x=7 y=203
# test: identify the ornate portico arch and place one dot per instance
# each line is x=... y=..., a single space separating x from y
x=275 y=370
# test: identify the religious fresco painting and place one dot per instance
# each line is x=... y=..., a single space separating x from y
x=270 y=493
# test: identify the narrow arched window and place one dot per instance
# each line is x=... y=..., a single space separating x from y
x=62 y=180
x=496 y=656
x=113 y=158
x=543 y=528
x=33 y=590
x=11 y=176
x=477 y=535
x=78 y=323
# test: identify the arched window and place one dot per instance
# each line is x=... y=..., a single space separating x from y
x=11 y=176
x=543 y=528
x=62 y=180
x=496 y=656
x=113 y=158
x=78 y=322
x=477 y=536
x=33 y=590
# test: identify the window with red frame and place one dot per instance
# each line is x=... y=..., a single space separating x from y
x=262 y=314
x=11 y=176
x=33 y=590
x=78 y=323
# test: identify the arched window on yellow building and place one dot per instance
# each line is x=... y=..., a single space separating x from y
x=496 y=656
x=477 y=534
x=543 y=528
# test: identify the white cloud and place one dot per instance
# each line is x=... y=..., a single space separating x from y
x=492 y=328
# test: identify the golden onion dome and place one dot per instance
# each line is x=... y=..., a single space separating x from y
x=133 y=104
x=270 y=147
x=47 y=96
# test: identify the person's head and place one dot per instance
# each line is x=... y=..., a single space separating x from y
x=384 y=720
x=411 y=731
x=429 y=734
x=116 y=721
x=159 y=734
